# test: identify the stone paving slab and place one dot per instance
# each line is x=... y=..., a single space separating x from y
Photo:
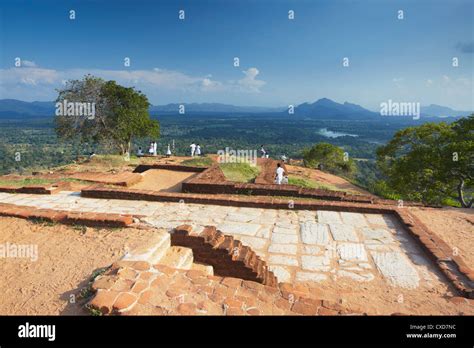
x=352 y=252
x=395 y=267
x=329 y=217
x=354 y=219
x=239 y=228
x=315 y=233
x=377 y=235
x=343 y=233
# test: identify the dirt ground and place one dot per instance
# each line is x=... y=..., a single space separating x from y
x=162 y=180
x=67 y=257
x=454 y=225
x=325 y=178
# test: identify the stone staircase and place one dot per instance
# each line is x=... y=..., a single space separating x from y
x=159 y=251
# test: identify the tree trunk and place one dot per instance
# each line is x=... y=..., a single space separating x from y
x=461 y=198
x=129 y=144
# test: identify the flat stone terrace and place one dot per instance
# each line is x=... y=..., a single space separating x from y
x=299 y=246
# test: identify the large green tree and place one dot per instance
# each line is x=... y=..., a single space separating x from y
x=121 y=114
x=332 y=158
x=432 y=163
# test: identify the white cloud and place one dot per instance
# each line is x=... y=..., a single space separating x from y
x=27 y=80
x=249 y=82
x=28 y=76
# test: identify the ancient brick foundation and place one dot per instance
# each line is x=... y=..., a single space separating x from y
x=227 y=256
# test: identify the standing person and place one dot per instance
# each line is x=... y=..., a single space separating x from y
x=279 y=174
x=198 y=150
x=168 y=152
x=150 y=149
x=193 y=149
x=155 y=148
x=262 y=151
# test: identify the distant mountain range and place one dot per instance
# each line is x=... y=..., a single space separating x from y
x=322 y=108
x=330 y=109
x=213 y=107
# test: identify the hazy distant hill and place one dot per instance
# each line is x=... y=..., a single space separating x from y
x=28 y=108
x=441 y=111
x=213 y=107
x=327 y=108
x=322 y=108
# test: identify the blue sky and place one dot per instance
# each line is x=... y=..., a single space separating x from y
x=282 y=61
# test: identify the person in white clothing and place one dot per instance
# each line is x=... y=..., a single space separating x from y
x=155 y=148
x=198 y=150
x=279 y=174
x=150 y=149
x=168 y=151
x=193 y=149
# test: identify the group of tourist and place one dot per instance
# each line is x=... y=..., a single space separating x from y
x=195 y=150
x=153 y=150
x=280 y=175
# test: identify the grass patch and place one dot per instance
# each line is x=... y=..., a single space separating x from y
x=311 y=184
x=81 y=228
x=240 y=172
x=37 y=181
x=198 y=162
x=26 y=181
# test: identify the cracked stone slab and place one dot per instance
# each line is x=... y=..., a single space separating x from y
x=380 y=220
x=377 y=234
x=354 y=219
x=239 y=228
x=314 y=233
x=329 y=217
x=352 y=252
x=397 y=269
x=343 y=233
x=283 y=230
x=239 y=217
x=310 y=277
x=253 y=242
x=285 y=224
